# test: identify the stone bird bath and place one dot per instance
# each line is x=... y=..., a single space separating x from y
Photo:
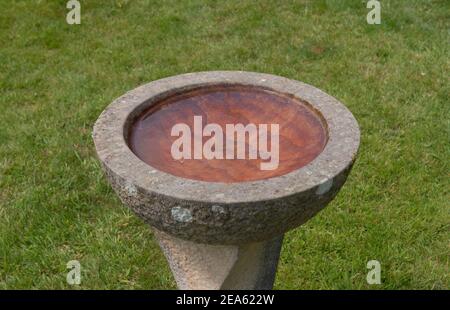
x=220 y=222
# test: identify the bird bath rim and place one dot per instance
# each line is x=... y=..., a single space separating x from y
x=111 y=129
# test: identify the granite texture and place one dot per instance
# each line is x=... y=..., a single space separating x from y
x=220 y=213
x=198 y=266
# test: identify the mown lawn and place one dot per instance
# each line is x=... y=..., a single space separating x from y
x=55 y=79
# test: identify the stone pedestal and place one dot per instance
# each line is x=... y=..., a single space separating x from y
x=198 y=266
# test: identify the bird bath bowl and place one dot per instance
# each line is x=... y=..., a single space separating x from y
x=219 y=209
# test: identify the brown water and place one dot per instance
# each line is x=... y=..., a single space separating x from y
x=302 y=134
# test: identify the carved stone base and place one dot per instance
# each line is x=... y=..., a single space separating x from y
x=197 y=266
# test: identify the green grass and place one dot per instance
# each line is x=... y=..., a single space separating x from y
x=55 y=79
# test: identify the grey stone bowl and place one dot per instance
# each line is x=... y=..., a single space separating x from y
x=225 y=213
